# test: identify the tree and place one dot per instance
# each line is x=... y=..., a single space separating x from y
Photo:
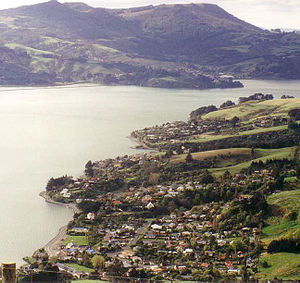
x=245 y=275
x=98 y=262
x=228 y=103
x=154 y=178
x=189 y=158
x=207 y=178
x=89 y=169
x=227 y=176
x=116 y=268
x=235 y=120
x=252 y=152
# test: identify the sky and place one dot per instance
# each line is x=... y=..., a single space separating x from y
x=262 y=13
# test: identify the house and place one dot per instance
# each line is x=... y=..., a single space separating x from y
x=205 y=265
x=116 y=202
x=188 y=251
x=79 y=230
x=65 y=193
x=233 y=271
x=229 y=264
x=221 y=243
x=156 y=227
x=150 y=205
x=146 y=199
x=91 y=216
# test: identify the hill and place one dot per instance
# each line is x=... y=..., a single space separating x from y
x=188 y=46
x=282 y=224
x=255 y=109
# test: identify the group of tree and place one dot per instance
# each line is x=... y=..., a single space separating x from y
x=55 y=183
x=284 y=245
x=256 y=96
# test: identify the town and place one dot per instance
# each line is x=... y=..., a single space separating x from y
x=173 y=215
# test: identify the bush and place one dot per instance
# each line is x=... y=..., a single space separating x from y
x=284 y=245
x=264 y=264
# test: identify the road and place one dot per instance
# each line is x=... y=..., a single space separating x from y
x=53 y=247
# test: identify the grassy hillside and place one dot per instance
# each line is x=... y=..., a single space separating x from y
x=236 y=159
x=283 y=266
x=283 y=224
x=288 y=201
x=265 y=154
x=213 y=153
x=211 y=136
x=252 y=109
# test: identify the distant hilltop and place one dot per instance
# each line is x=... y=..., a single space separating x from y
x=190 y=45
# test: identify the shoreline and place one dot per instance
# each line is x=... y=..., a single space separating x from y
x=52 y=247
x=47 y=199
x=140 y=145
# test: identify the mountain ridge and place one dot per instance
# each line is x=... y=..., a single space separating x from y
x=190 y=44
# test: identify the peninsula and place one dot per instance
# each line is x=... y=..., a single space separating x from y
x=218 y=200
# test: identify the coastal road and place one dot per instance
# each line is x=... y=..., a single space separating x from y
x=53 y=247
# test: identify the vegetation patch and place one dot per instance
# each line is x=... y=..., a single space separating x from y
x=80 y=267
x=266 y=154
x=284 y=266
x=212 y=153
x=77 y=240
x=253 y=109
x=288 y=200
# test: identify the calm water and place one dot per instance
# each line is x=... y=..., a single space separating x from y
x=53 y=131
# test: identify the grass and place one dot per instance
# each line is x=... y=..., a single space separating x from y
x=30 y=50
x=208 y=137
x=291 y=180
x=79 y=240
x=212 y=153
x=284 y=229
x=89 y=281
x=288 y=200
x=29 y=259
x=230 y=163
x=266 y=154
x=280 y=225
x=169 y=79
x=285 y=266
x=105 y=48
x=253 y=109
x=80 y=267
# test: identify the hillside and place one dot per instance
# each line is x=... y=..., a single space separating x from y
x=282 y=224
x=187 y=46
x=255 y=109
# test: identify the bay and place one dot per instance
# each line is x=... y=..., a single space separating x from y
x=54 y=131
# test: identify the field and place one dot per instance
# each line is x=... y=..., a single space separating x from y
x=265 y=154
x=210 y=137
x=285 y=266
x=79 y=240
x=289 y=200
x=212 y=153
x=253 y=109
x=30 y=50
x=231 y=160
x=80 y=267
x=90 y=281
x=283 y=224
